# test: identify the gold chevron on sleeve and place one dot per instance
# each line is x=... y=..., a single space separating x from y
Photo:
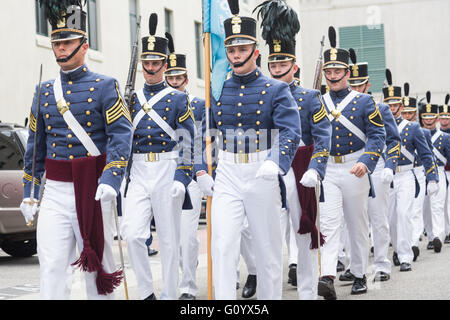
x=32 y=122
x=395 y=149
x=116 y=164
x=187 y=114
x=27 y=177
x=118 y=110
x=320 y=154
x=375 y=118
x=320 y=114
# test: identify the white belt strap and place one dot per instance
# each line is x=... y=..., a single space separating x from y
x=403 y=150
x=148 y=105
x=69 y=118
x=436 y=152
x=338 y=112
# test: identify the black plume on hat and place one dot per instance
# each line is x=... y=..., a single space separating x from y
x=234 y=6
x=332 y=36
x=447 y=98
x=171 y=45
x=428 y=97
x=389 y=77
x=406 y=88
x=352 y=55
x=54 y=9
x=279 y=21
x=153 y=23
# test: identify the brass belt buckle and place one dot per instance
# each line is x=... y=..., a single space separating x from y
x=397 y=169
x=146 y=108
x=241 y=158
x=338 y=159
x=152 y=157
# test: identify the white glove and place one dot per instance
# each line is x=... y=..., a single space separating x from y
x=269 y=170
x=105 y=193
x=206 y=184
x=28 y=210
x=310 y=178
x=432 y=188
x=178 y=189
x=387 y=175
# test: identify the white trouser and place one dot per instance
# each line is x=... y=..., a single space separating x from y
x=401 y=214
x=307 y=260
x=418 y=207
x=247 y=252
x=58 y=235
x=238 y=194
x=344 y=245
x=434 y=209
x=345 y=196
x=287 y=231
x=189 y=242
x=378 y=217
x=150 y=195
x=447 y=205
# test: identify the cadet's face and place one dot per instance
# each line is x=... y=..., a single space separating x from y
x=278 y=68
x=179 y=80
x=362 y=88
x=336 y=74
x=429 y=123
x=238 y=54
x=396 y=109
x=63 y=49
x=154 y=66
x=410 y=116
x=445 y=123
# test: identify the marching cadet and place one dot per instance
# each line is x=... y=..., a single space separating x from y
x=434 y=206
x=444 y=120
x=382 y=177
x=357 y=125
x=83 y=140
x=258 y=133
x=177 y=77
x=401 y=196
x=310 y=161
x=161 y=171
x=409 y=112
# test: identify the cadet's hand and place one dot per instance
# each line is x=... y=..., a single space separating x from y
x=178 y=189
x=387 y=175
x=269 y=170
x=105 y=193
x=359 y=169
x=432 y=188
x=206 y=184
x=29 y=209
x=310 y=178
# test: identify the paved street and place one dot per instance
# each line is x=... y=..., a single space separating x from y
x=429 y=279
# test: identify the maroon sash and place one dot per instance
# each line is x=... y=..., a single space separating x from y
x=84 y=173
x=306 y=196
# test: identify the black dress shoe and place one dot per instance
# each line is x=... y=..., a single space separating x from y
x=292 y=275
x=347 y=276
x=249 y=289
x=151 y=252
x=325 y=288
x=395 y=259
x=151 y=297
x=416 y=252
x=359 y=285
x=340 y=267
x=381 y=276
x=447 y=239
x=187 y=296
x=437 y=244
x=430 y=245
x=405 y=267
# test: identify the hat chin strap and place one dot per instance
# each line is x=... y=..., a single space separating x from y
x=152 y=73
x=179 y=86
x=336 y=81
x=240 y=64
x=63 y=60
x=280 y=75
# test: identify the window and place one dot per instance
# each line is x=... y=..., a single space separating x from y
x=41 y=20
x=199 y=49
x=168 y=20
x=10 y=154
x=368 y=43
x=92 y=25
x=133 y=21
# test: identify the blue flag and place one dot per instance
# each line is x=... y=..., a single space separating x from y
x=215 y=12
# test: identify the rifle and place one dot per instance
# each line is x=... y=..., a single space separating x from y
x=318 y=74
x=129 y=92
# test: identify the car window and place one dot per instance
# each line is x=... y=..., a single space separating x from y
x=10 y=155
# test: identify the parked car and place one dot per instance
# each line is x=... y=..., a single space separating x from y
x=16 y=239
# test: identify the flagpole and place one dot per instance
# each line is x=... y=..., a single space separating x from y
x=207 y=43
